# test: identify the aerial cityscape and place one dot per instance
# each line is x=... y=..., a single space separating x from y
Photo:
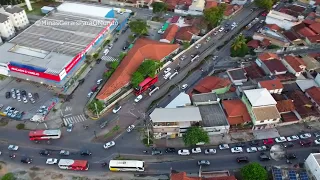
x=160 y=90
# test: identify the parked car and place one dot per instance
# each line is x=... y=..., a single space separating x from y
x=264 y=157
x=44 y=152
x=26 y=160
x=89 y=94
x=138 y=98
x=130 y=128
x=252 y=149
x=268 y=141
x=242 y=159
x=280 y=139
x=198 y=46
x=23 y=93
x=184 y=86
x=210 y=151
x=293 y=138
x=288 y=145
x=170 y=150
x=156 y=152
x=109 y=145
x=99 y=81
x=221 y=29
x=317 y=142
x=85 y=152
x=305 y=143
x=236 y=150
x=183 y=57
x=240 y=144
x=69 y=127
x=224 y=146
x=305 y=136
x=13 y=148
x=290 y=156
x=196 y=150
x=25 y=99
x=254 y=143
x=204 y=163
x=116 y=109
x=184 y=152
x=32 y=100
x=262 y=148
x=8 y=95
x=167 y=70
x=64 y=153
x=52 y=161
x=30 y=95
x=317 y=134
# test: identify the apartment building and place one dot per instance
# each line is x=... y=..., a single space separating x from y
x=6 y=27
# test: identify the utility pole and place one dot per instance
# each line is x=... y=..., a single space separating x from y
x=95 y=105
x=148 y=135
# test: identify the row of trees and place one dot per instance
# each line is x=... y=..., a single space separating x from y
x=147 y=69
x=214 y=15
x=265 y=4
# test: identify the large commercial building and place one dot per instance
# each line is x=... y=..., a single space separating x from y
x=53 y=49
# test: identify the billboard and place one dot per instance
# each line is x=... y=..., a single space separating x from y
x=34 y=73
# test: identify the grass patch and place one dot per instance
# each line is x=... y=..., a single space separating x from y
x=4 y=122
x=20 y=126
x=2 y=77
x=113 y=130
x=36 y=7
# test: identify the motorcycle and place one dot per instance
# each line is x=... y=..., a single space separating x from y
x=104 y=164
x=12 y=156
x=288 y=161
x=145 y=152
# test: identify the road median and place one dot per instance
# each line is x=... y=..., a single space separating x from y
x=154 y=159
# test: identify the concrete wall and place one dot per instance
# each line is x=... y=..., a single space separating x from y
x=312 y=167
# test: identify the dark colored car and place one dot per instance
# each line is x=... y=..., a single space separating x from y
x=170 y=150
x=254 y=143
x=81 y=81
x=8 y=95
x=156 y=152
x=36 y=95
x=240 y=144
x=24 y=93
x=94 y=88
x=85 y=153
x=26 y=160
x=98 y=61
x=288 y=145
x=264 y=157
x=115 y=40
x=44 y=152
x=204 y=163
x=243 y=159
x=291 y=156
x=305 y=143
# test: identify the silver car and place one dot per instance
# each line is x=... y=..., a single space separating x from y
x=210 y=151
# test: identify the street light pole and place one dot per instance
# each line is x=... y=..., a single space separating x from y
x=148 y=135
x=95 y=105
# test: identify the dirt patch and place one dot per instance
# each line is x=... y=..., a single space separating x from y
x=4 y=121
x=4 y=169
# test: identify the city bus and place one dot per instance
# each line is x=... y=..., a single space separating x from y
x=44 y=134
x=126 y=165
x=145 y=84
x=153 y=90
x=76 y=165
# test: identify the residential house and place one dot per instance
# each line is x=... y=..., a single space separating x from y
x=311 y=63
x=7 y=30
x=273 y=86
x=287 y=111
x=213 y=84
x=178 y=20
x=271 y=64
x=303 y=105
x=174 y=122
x=275 y=39
x=314 y=94
x=254 y=71
x=261 y=107
x=237 y=76
x=236 y=112
x=283 y=20
x=231 y=10
x=197 y=7
x=313 y=39
x=141 y=3
x=273 y=27
x=211 y=4
x=143 y=49
x=305 y=84
x=182 y=100
x=17 y=16
x=295 y=65
x=169 y=34
x=294 y=38
x=214 y=120
x=239 y=2
x=254 y=44
x=186 y=34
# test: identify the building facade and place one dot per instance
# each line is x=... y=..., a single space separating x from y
x=17 y=16
x=312 y=165
x=7 y=30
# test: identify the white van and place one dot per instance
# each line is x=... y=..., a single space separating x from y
x=173 y=75
x=166 y=76
x=106 y=51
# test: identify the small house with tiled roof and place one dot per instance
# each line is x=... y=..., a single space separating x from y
x=169 y=34
x=271 y=64
x=187 y=33
x=213 y=84
x=314 y=94
x=273 y=86
x=295 y=65
x=236 y=112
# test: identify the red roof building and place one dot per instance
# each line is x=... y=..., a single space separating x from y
x=295 y=65
x=285 y=106
x=187 y=33
x=306 y=32
x=211 y=83
x=273 y=86
x=211 y=4
x=143 y=49
x=253 y=43
x=254 y=71
x=273 y=27
x=267 y=56
x=315 y=27
x=314 y=39
x=236 y=112
x=303 y=104
x=314 y=94
x=274 y=67
x=265 y=42
x=169 y=34
x=175 y=19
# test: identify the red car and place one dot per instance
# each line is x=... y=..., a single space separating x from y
x=264 y=14
x=268 y=141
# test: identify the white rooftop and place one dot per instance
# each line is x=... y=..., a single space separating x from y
x=259 y=97
x=84 y=9
x=176 y=114
x=181 y=100
x=306 y=84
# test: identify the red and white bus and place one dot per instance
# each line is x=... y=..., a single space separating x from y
x=145 y=84
x=44 y=134
x=76 y=165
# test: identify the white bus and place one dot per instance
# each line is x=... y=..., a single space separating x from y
x=126 y=165
x=153 y=90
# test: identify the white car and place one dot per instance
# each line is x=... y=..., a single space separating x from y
x=293 y=138
x=32 y=100
x=224 y=146
x=184 y=86
x=18 y=98
x=183 y=57
x=262 y=148
x=196 y=150
x=52 y=161
x=184 y=152
x=280 y=139
x=221 y=29
x=30 y=95
x=110 y=46
x=214 y=57
x=252 y=149
x=130 y=128
x=13 y=147
x=210 y=151
x=160 y=31
x=236 y=150
x=305 y=136
x=25 y=99
x=138 y=98
x=317 y=142
x=167 y=70
x=109 y=144
x=198 y=46
x=116 y=109
x=99 y=81
x=90 y=94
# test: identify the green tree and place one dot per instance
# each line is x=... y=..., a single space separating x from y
x=254 y=171
x=8 y=176
x=265 y=4
x=139 y=27
x=95 y=106
x=214 y=15
x=159 y=7
x=239 y=47
x=122 y=55
x=195 y=135
x=114 y=65
x=185 y=45
x=136 y=78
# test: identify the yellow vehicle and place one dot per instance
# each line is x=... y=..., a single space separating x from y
x=126 y=165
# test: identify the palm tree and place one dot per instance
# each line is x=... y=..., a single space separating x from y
x=239 y=42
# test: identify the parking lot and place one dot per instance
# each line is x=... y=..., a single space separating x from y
x=153 y=31
x=41 y=95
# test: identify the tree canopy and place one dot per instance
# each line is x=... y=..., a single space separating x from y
x=265 y=4
x=159 y=7
x=254 y=171
x=214 y=15
x=112 y=67
x=8 y=176
x=147 y=69
x=195 y=135
x=10 y=2
x=139 y=27
x=93 y=104
x=239 y=47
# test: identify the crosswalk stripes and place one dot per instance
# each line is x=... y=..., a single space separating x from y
x=109 y=58
x=74 y=119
